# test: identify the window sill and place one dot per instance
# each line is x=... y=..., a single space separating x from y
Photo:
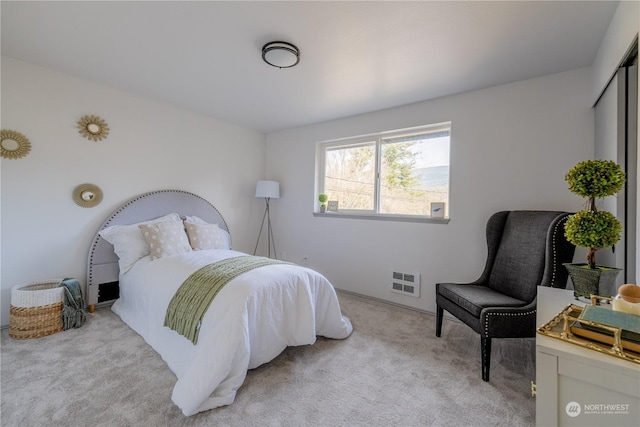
x=383 y=217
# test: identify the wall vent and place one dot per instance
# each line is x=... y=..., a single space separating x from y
x=405 y=283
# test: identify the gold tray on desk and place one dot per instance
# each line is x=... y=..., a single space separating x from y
x=560 y=327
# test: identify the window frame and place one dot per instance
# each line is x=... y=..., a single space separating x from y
x=376 y=139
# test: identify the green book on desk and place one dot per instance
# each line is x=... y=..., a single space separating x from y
x=629 y=323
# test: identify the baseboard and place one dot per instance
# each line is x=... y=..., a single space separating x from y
x=419 y=310
x=395 y=304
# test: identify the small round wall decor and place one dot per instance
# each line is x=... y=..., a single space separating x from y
x=14 y=145
x=87 y=195
x=93 y=128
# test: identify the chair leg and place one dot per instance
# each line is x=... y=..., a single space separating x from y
x=485 y=345
x=439 y=313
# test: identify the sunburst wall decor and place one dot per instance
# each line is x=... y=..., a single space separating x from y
x=93 y=128
x=14 y=144
x=87 y=195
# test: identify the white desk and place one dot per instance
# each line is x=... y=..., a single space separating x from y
x=604 y=389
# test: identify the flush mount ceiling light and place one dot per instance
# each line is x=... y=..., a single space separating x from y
x=280 y=54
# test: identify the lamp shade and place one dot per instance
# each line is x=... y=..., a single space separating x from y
x=268 y=189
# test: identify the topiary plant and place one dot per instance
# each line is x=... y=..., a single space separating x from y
x=591 y=228
x=322 y=198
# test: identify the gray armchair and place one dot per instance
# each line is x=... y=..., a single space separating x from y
x=526 y=249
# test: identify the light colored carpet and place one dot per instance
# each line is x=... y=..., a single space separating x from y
x=392 y=371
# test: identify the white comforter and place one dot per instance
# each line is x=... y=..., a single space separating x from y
x=253 y=318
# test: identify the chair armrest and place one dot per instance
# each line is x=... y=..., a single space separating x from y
x=509 y=322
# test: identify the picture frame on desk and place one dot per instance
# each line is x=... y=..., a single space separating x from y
x=437 y=210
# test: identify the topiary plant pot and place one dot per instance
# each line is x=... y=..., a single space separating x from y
x=592 y=281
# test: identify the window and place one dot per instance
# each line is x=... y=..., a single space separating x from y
x=399 y=173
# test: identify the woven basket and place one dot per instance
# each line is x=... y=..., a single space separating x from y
x=36 y=309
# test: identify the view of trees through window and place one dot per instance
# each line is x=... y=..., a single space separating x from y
x=413 y=171
x=350 y=176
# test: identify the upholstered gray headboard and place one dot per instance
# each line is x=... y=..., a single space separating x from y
x=102 y=265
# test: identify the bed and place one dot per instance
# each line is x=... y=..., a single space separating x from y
x=253 y=318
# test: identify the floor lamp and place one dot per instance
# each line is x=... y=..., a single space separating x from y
x=269 y=190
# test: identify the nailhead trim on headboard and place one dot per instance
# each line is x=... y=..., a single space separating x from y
x=138 y=199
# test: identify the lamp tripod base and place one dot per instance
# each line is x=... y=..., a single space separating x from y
x=270 y=239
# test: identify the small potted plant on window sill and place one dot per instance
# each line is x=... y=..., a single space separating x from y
x=591 y=228
x=323 y=198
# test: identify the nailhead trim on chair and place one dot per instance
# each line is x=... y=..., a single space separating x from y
x=486 y=320
x=554 y=248
x=555 y=254
x=553 y=280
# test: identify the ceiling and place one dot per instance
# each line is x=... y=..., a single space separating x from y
x=356 y=57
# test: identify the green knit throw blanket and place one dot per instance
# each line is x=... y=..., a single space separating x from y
x=72 y=310
x=193 y=298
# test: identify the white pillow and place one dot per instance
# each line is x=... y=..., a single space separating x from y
x=165 y=238
x=203 y=235
x=129 y=243
x=195 y=220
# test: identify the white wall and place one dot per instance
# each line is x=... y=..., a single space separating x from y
x=511 y=146
x=150 y=147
